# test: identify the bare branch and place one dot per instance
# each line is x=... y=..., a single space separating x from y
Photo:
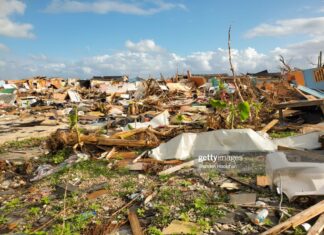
x=230 y=61
x=286 y=67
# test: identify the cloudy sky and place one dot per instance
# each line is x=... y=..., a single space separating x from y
x=82 y=38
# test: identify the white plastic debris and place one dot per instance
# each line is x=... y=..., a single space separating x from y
x=160 y=120
x=295 y=178
x=186 y=145
x=306 y=141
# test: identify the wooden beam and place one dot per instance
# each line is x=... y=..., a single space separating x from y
x=269 y=125
x=281 y=117
x=102 y=140
x=302 y=103
x=297 y=219
x=177 y=168
x=318 y=227
x=134 y=222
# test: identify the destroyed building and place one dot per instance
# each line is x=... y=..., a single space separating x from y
x=206 y=153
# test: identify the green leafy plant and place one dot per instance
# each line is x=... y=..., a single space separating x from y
x=95 y=206
x=73 y=121
x=244 y=109
x=180 y=118
x=221 y=85
x=34 y=211
x=185 y=183
x=3 y=219
x=66 y=229
x=257 y=106
x=81 y=221
x=164 y=216
x=154 y=231
x=45 y=200
x=299 y=231
x=28 y=232
x=185 y=217
x=218 y=104
x=12 y=204
x=140 y=212
x=204 y=225
x=73 y=117
x=200 y=203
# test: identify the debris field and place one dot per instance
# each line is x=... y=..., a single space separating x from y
x=191 y=154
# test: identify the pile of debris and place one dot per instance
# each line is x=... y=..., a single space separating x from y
x=194 y=154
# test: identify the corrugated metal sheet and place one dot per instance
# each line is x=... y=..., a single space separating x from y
x=314 y=78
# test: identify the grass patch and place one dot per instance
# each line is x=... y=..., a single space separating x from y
x=3 y=219
x=57 y=157
x=154 y=231
x=89 y=168
x=282 y=134
x=94 y=168
x=21 y=144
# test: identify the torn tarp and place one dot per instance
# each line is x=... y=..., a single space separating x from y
x=186 y=145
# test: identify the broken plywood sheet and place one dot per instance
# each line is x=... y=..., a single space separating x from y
x=187 y=145
x=262 y=180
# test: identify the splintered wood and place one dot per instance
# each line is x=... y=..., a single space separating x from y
x=298 y=219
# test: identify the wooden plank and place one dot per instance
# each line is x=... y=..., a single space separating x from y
x=308 y=97
x=281 y=116
x=302 y=103
x=102 y=140
x=269 y=125
x=297 y=219
x=177 y=168
x=262 y=180
x=318 y=227
x=134 y=222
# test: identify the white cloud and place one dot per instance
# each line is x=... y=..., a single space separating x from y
x=148 y=7
x=145 y=58
x=3 y=47
x=143 y=46
x=308 y=26
x=7 y=26
x=2 y=64
x=303 y=54
x=141 y=58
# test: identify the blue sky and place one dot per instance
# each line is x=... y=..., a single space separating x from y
x=81 y=38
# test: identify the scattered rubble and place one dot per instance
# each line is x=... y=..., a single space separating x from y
x=193 y=154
